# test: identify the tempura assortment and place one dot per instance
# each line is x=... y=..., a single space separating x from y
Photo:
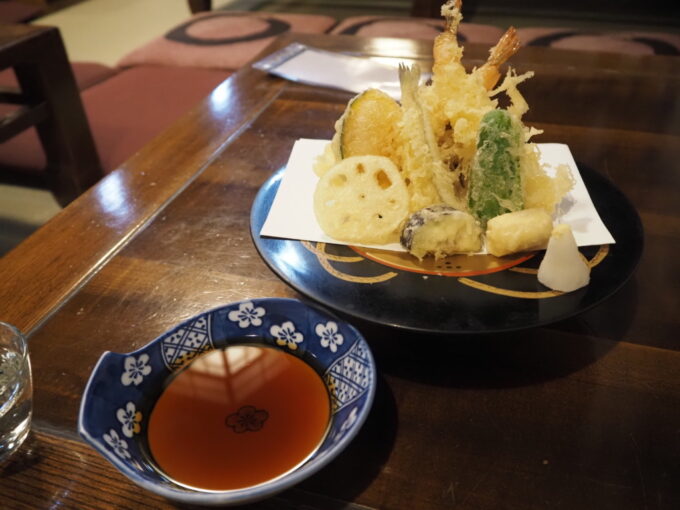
x=445 y=170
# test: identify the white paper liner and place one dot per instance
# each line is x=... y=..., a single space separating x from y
x=292 y=213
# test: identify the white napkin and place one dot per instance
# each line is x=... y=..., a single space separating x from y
x=300 y=63
x=292 y=213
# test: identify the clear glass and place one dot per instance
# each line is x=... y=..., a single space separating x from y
x=16 y=390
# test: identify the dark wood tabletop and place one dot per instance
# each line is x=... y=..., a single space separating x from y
x=583 y=413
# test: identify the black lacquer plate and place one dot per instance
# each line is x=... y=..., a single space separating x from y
x=451 y=298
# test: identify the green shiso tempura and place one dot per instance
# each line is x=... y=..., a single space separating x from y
x=495 y=182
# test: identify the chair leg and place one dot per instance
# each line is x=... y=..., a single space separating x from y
x=200 y=5
x=73 y=164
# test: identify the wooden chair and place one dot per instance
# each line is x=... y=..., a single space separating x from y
x=49 y=100
x=200 y=5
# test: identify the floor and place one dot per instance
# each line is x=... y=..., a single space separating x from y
x=105 y=30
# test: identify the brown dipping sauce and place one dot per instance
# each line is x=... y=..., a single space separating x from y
x=237 y=417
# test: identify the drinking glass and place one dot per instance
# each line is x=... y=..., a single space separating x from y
x=16 y=391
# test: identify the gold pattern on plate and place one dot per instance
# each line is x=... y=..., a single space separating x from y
x=602 y=252
x=461 y=266
x=599 y=256
x=508 y=292
x=324 y=259
x=321 y=251
x=453 y=265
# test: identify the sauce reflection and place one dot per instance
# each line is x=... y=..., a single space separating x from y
x=238 y=417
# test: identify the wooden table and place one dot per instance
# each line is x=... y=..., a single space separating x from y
x=581 y=414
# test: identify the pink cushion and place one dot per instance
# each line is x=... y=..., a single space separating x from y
x=222 y=40
x=631 y=43
x=414 y=28
x=125 y=113
x=85 y=73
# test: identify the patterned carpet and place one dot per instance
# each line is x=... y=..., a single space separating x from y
x=338 y=9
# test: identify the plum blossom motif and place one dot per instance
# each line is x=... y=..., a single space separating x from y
x=347 y=424
x=330 y=337
x=247 y=315
x=247 y=418
x=130 y=418
x=135 y=370
x=117 y=444
x=285 y=334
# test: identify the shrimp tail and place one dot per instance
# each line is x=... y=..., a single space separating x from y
x=506 y=47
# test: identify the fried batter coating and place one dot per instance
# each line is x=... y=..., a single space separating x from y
x=419 y=151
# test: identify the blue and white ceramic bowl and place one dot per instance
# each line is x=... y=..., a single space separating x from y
x=123 y=388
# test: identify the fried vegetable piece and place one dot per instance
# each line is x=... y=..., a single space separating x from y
x=370 y=126
x=495 y=180
x=440 y=230
x=362 y=199
x=525 y=230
